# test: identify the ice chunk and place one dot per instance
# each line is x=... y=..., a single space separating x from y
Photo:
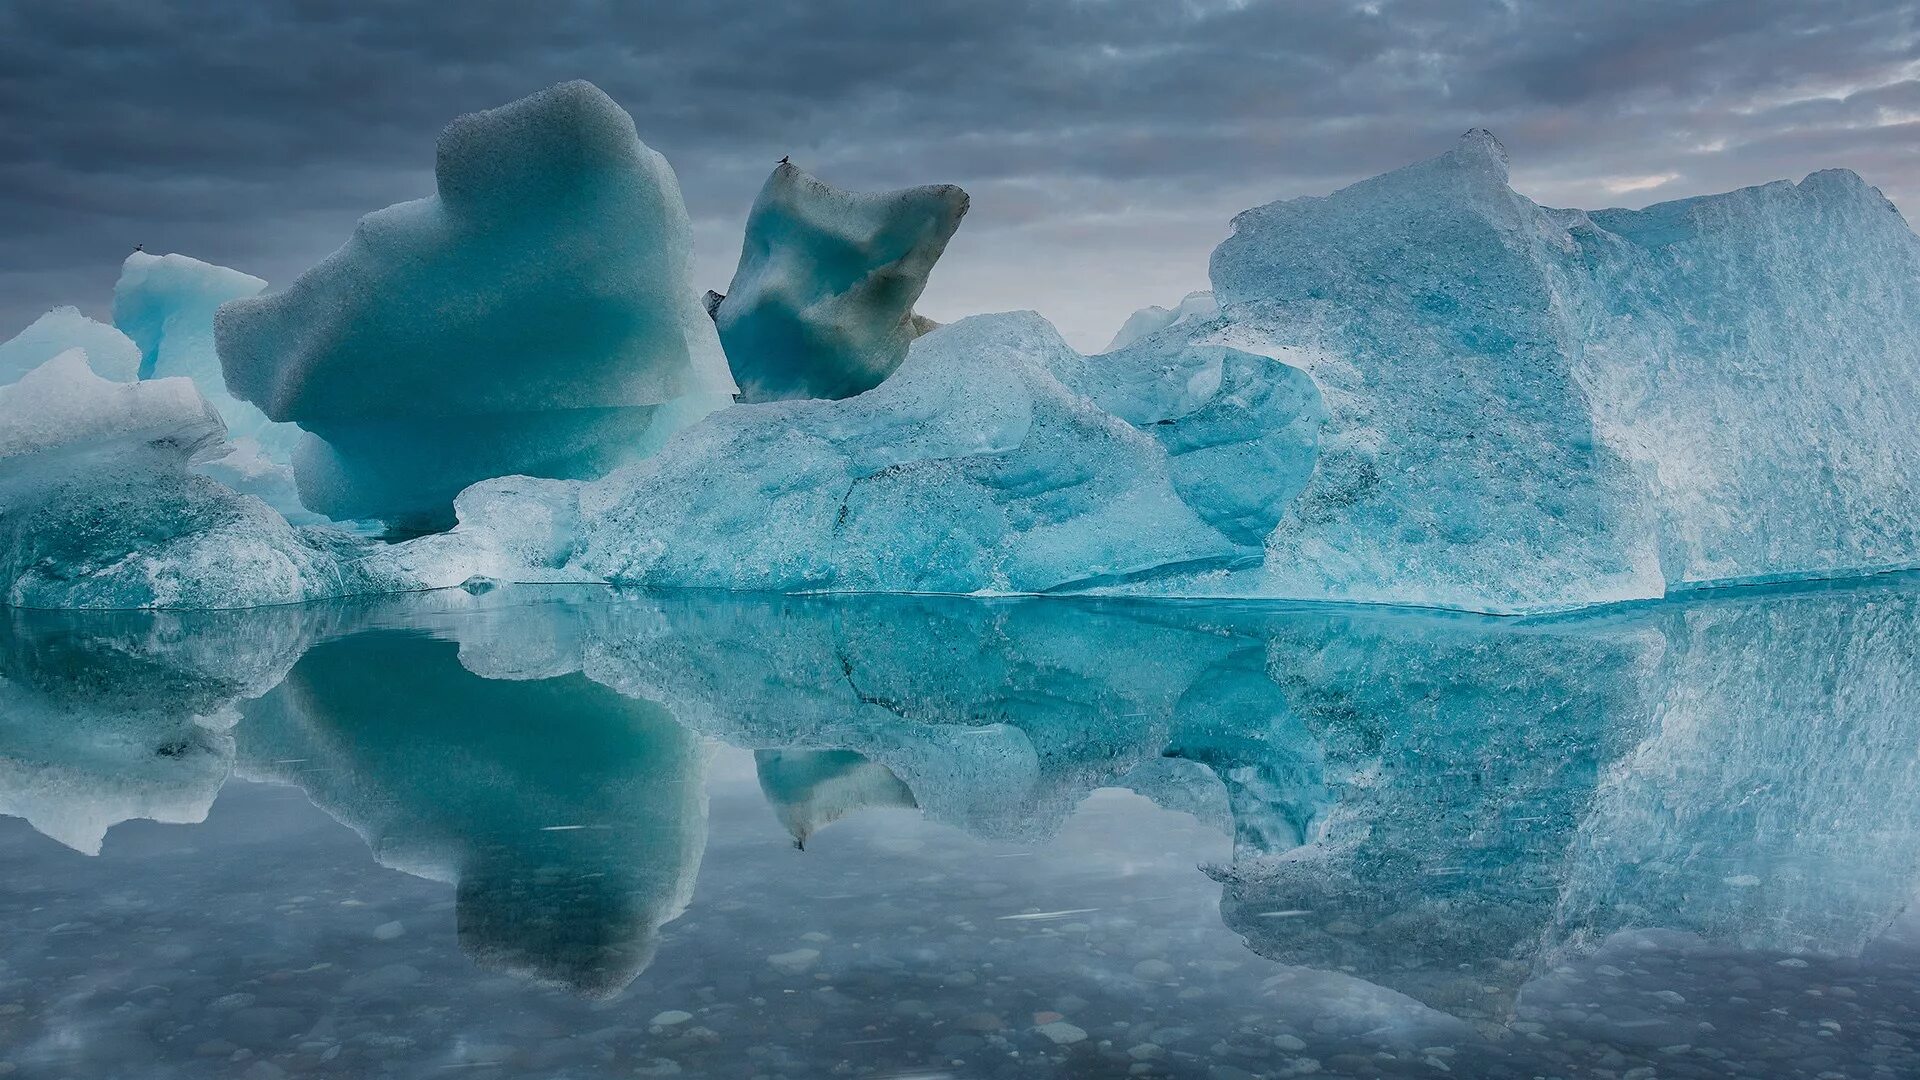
x=1535 y=409
x=98 y=508
x=109 y=352
x=971 y=470
x=535 y=316
x=166 y=303
x=1241 y=431
x=1194 y=307
x=822 y=303
x=987 y=463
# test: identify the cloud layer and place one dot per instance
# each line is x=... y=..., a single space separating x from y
x=1105 y=142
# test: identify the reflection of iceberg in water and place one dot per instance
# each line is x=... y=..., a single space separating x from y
x=810 y=789
x=106 y=717
x=572 y=819
x=1438 y=804
x=1441 y=805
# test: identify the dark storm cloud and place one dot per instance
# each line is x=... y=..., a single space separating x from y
x=1106 y=142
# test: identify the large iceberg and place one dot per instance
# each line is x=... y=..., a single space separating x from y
x=822 y=303
x=98 y=508
x=166 y=304
x=1536 y=409
x=535 y=316
x=989 y=462
x=110 y=353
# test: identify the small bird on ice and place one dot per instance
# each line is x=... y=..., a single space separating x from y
x=139 y=247
x=784 y=161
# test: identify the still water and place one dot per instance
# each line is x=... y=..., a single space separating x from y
x=586 y=834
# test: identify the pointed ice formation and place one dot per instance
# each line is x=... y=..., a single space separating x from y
x=535 y=316
x=1194 y=307
x=822 y=303
x=166 y=304
x=110 y=353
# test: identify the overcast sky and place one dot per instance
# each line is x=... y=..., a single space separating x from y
x=1106 y=143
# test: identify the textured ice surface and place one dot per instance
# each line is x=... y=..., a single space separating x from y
x=975 y=468
x=166 y=304
x=98 y=508
x=109 y=352
x=822 y=303
x=1193 y=307
x=535 y=316
x=1535 y=409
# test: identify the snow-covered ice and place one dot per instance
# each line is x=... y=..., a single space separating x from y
x=98 y=508
x=110 y=353
x=166 y=304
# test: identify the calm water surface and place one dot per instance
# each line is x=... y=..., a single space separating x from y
x=591 y=834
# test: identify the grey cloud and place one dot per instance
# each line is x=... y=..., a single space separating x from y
x=1106 y=142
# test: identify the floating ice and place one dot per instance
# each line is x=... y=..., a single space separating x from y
x=1194 y=307
x=535 y=316
x=822 y=303
x=110 y=353
x=973 y=469
x=166 y=303
x=1535 y=409
x=98 y=508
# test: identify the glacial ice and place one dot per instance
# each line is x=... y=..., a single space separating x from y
x=1421 y=390
x=1193 y=307
x=98 y=508
x=535 y=316
x=166 y=304
x=822 y=303
x=1535 y=409
x=974 y=468
x=109 y=352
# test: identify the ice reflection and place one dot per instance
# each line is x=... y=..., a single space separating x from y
x=1443 y=806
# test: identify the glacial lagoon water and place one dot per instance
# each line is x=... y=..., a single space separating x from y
x=587 y=833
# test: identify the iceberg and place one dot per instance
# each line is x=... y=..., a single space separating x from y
x=534 y=316
x=166 y=304
x=1194 y=307
x=110 y=353
x=822 y=303
x=974 y=469
x=1534 y=409
x=98 y=508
